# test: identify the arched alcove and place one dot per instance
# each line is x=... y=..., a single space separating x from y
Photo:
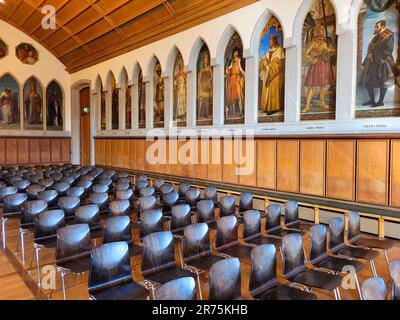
x=33 y=100
x=10 y=92
x=54 y=106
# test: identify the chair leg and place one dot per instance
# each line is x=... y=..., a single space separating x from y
x=37 y=249
x=3 y=231
x=386 y=256
x=358 y=285
x=63 y=285
x=199 y=285
x=372 y=264
x=335 y=294
x=18 y=239
x=338 y=293
x=22 y=235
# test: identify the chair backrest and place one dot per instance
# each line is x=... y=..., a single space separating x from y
x=100 y=188
x=22 y=185
x=88 y=214
x=291 y=212
x=151 y=221
x=263 y=267
x=33 y=190
x=69 y=204
x=50 y=196
x=141 y=177
x=192 y=196
x=124 y=195
x=205 y=210
x=5 y=191
x=140 y=185
x=183 y=187
x=157 y=183
x=166 y=188
x=374 y=289
x=31 y=209
x=317 y=242
x=246 y=201
x=117 y=229
x=72 y=240
x=227 y=231
x=211 y=193
x=119 y=208
x=122 y=186
x=124 y=180
x=225 y=280
x=227 y=206
x=85 y=184
x=170 y=199
x=293 y=254
x=273 y=220
x=14 y=202
x=48 y=222
x=158 y=252
x=147 y=192
x=75 y=192
x=101 y=199
x=47 y=182
x=105 y=181
x=196 y=241
x=147 y=203
x=180 y=216
x=110 y=266
x=120 y=175
x=61 y=187
x=178 y=289
x=252 y=223
x=336 y=232
x=394 y=268
x=354 y=225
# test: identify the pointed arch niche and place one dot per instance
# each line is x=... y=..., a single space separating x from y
x=10 y=102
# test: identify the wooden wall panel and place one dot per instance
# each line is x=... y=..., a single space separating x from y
x=395 y=176
x=312 y=167
x=230 y=155
x=266 y=164
x=108 y=150
x=147 y=165
x=247 y=155
x=132 y=154
x=140 y=155
x=201 y=168
x=23 y=151
x=11 y=151
x=215 y=160
x=34 y=150
x=2 y=151
x=125 y=153
x=372 y=171
x=45 y=151
x=288 y=165
x=55 y=150
x=97 y=151
x=340 y=171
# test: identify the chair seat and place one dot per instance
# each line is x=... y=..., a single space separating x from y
x=282 y=292
x=374 y=243
x=205 y=262
x=164 y=276
x=239 y=251
x=265 y=240
x=359 y=253
x=77 y=265
x=124 y=291
x=337 y=264
x=282 y=232
x=318 y=279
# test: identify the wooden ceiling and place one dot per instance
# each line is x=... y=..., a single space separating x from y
x=91 y=31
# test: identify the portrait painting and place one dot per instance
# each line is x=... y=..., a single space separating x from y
x=318 y=95
x=158 y=96
x=9 y=103
x=271 y=84
x=114 y=104
x=235 y=74
x=141 y=101
x=204 y=88
x=128 y=105
x=179 y=92
x=3 y=49
x=26 y=53
x=103 y=124
x=378 y=61
x=54 y=107
x=33 y=105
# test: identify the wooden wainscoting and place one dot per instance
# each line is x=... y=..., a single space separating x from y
x=357 y=169
x=26 y=150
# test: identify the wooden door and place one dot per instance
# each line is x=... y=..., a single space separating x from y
x=84 y=100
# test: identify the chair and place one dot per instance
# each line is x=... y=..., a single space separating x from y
x=147 y=192
x=100 y=188
x=374 y=289
x=158 y=260
x=119 y=208
x=141 y=177
x=89 y=214
x=273 y=222
x=118 y=228
x=140 y=185
x=157 y=184
x=394 y=268
x=245 y=202
x=76 y=192
x=125 y=180
x=169 y=200
x=227 y=206
x=33 y=190
x=57 y=176
x=110 y=275
x=61 y=188
x=72 y=251
x=147 y=203
x=178 y=289
x=338 y=247
x=192 y=197
x=206 y=212
x=197 y=255
x=225 y=280
x=85 y=184
x=263 y=283
x=124 y=195
x=121 y=175
x=292 y=220
x=227 y=240
x=122 y=186
x=69 y=205
x=99 y=199
x=180 y=218
x=151 y=221
x=165 y=189
x=355 y=238
x=5 y=191
x=50 y=196
x=319 y=257
x=22 y=185
x=295 y=268
x=106 y=181
x=183 y=188
x=47 y=182
x=14 y=202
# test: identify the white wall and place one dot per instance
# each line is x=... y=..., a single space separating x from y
x=248 y=22
x=48 y=68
